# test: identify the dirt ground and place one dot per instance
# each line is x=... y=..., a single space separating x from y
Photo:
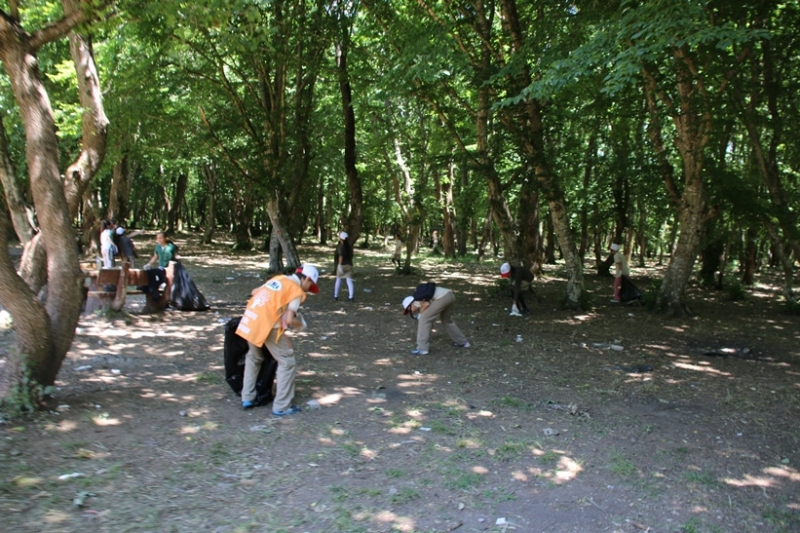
x=614 y=420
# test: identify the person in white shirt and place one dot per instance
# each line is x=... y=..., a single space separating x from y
x=620 y=269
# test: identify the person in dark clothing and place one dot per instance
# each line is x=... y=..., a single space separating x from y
x=344 y=267
x=127 y=250
x=521 y=280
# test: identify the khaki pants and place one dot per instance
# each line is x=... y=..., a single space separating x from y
x=441 y=307
x=282 y=351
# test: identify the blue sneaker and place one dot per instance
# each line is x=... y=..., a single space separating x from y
x=292 y=410
x=248 y=405
x=419 y=352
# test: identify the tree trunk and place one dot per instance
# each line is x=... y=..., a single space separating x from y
x=749 y=269
x=175 y=214
x=464 y=212
x=533 y=143
x=44 y=334
x=281 y=234
x=354 y=218
x=17 y=207
x=444 y=195
x=691 y=215
x=785 y=261
x=211 y=177
x=242 y=218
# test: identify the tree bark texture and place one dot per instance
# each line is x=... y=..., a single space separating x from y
x=44 y=333
x=354 y=218
x=17 y=207
x=212 y=178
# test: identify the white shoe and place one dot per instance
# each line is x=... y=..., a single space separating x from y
x=515 y=313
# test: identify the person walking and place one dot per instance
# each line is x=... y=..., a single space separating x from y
x=344 y=267
x=426 y=304
x=271 y=310
x=521 y=280
x=398 y=250
x=620 y=269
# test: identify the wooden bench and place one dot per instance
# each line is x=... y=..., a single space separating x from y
x=125 y=281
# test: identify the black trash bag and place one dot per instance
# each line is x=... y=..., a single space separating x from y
x=234 y=354
x=629 y=291
x=184 y=294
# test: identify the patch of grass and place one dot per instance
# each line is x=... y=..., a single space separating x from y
x=207 y=377
x=344 y=523
x=339 y=494
x=549 y=457
x=463 y=480
x=440 y=427
x=395 y=473
x=370 y=493
x=510 y=450
x=516 y=403
x=701 y=478
x=691 y=526
x=497 y=495
x=219 y=453
x=405 y=495
x=621 y=466
x=781 y=518
x=253 y=525
x=351 y=448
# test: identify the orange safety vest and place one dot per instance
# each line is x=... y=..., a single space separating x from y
x=266 y=307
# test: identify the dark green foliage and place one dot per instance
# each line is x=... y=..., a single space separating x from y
x=792 y=307
x=736 y=291
x=650 y=297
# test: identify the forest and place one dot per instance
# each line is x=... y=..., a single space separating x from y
x=536 y=131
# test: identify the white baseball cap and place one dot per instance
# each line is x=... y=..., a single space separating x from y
x=120 y=231
x=343 y=235
x=406 y=302
x=505 y=270
x=615 y=247
x=311 y=273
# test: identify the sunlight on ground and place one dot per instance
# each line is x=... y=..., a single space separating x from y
x=398 y=523
x=701 y=368
x=774 y=478
x=104 y=420
x=63 y=426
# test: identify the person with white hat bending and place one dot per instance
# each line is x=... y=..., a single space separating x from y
x=521 y=280
x=427 y=303
x=344 y=267
x=620 y=269
x=272 y=309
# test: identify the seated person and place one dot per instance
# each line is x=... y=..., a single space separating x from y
x=163 y=253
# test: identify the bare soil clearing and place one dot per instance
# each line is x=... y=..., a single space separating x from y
x=691 y=427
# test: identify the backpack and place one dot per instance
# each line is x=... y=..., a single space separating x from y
x=424 y=292
x=234 y=354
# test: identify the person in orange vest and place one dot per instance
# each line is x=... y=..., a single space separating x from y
x=272 y=309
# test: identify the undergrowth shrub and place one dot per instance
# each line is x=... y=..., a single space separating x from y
x=649 y=297
x=736 y=291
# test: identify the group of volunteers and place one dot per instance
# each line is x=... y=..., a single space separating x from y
x=274 y=307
